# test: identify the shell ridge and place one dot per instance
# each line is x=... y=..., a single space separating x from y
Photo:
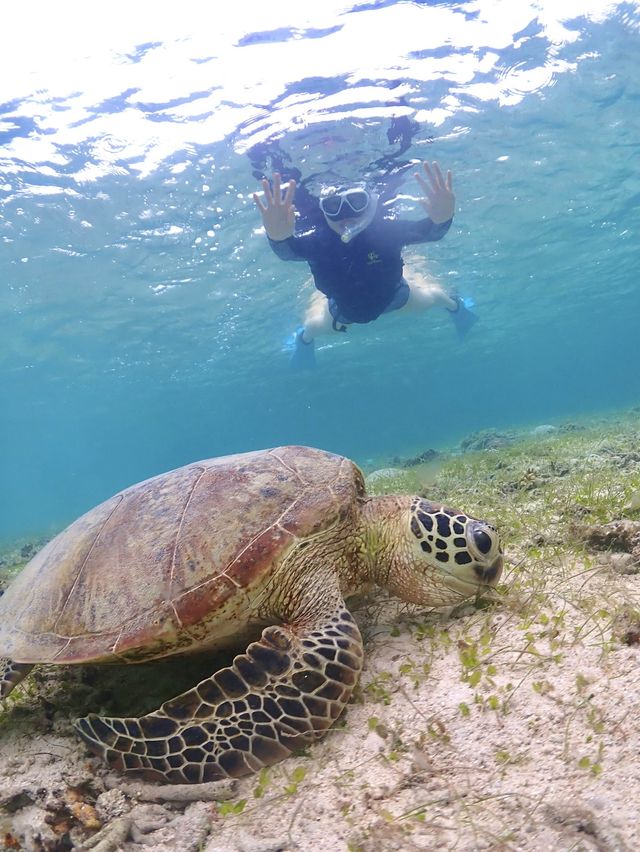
x=252 y=541
x=62 y=650
x=203 y=470
x=175 y=615
x=84 y=561
x=288 y=468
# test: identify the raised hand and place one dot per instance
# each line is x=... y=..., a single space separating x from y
x=277 y=210
x=439 y=200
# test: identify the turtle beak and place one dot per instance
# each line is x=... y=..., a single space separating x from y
x=490 y=574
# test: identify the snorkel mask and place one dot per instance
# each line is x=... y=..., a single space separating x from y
x=356 y=203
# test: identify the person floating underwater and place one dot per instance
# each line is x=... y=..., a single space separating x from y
x=354 y=252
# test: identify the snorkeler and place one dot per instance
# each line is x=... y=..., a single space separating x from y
x=354 y=253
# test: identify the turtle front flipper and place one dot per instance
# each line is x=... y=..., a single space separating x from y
x=11 y=674
x=281 y=695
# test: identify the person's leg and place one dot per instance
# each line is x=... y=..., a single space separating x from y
x=317 y=319
x=426 y=292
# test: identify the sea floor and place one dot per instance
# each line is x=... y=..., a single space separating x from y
x=508 y=723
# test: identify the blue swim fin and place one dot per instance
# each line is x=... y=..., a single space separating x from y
x=303 y=356
x=463 y=317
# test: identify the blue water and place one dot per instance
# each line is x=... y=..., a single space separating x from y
x=142 y=313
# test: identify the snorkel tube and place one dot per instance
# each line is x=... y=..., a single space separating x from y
x=358 y=225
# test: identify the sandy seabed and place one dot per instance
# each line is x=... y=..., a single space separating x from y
x=509 y=724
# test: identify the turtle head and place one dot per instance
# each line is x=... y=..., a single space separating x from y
x=448 y=556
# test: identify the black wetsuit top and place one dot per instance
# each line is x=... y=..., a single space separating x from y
x=361 y=276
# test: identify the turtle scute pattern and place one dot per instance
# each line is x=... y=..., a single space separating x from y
x=445 y=533
x=278 y=697
x=11 y=673
x=188 y=546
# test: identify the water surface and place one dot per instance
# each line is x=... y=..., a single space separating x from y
x=142 y=313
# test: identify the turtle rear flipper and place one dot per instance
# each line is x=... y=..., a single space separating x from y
x=11 y=674
x=281 y=695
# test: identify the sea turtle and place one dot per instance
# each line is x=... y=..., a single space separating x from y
x=264 y=545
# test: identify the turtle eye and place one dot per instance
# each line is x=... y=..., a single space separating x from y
x=482 y=540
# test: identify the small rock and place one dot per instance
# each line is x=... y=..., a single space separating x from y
x=622 y=563
x=543 y=429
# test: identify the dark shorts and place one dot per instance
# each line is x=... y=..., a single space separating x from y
x=398 y=300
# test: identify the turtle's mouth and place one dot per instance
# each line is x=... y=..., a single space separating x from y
x=476 y=577
x=490 y=574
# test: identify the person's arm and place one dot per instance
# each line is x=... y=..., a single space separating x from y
x=419 y=231
x=278 y=216
x=439 y=204
x=439 y=200
x=286 y=249
x=277 y=210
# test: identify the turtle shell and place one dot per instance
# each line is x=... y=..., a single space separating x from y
x=149 y=572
